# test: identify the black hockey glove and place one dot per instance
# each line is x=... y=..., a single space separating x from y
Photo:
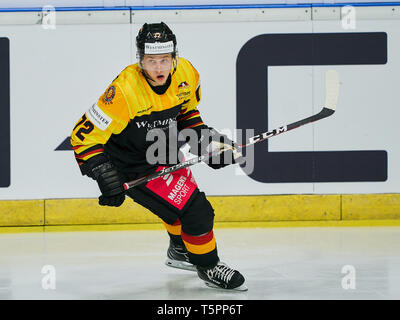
x=110 y=183
x=212 y=141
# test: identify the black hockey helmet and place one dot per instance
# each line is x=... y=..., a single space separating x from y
x=155 y=38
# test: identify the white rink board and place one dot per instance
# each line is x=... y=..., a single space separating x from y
x=57 y=74
x=368 y=110
x=55 y=77
x=150 y=3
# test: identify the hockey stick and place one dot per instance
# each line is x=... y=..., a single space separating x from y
x=331 y=98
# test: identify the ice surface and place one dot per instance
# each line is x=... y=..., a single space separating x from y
x=278 y=263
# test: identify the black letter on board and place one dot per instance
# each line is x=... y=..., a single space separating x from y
x=252 y=104
x=5 y=169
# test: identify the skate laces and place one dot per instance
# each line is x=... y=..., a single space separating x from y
x=181 y=251
x=221 y=272
x=176 y=252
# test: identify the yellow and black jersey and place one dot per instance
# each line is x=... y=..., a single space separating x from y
x=118 y=123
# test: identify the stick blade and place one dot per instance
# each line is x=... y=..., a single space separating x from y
x=331 y=89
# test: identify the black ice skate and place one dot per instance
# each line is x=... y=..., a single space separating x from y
x=222 y=276
x=177 y=257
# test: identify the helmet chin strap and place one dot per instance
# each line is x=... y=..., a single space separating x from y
x=175 y=64
x=147 y=76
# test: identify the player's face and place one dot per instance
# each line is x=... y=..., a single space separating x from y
x=157 y=67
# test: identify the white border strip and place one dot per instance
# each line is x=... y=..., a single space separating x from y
x=128 y=16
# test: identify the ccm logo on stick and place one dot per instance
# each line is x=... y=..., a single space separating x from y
x=266 y=135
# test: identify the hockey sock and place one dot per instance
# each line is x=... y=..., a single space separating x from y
x=174 y=232
x=202 y=249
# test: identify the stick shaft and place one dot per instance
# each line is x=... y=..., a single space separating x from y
x=325 y=112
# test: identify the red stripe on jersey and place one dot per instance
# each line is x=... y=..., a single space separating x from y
x=89 y=153
x=189 y=116
x=195 y=125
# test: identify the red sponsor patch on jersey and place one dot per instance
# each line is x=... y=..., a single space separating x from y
x=175 y=187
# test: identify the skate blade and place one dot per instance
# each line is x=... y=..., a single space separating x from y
x=180 y=265
x=240 y=288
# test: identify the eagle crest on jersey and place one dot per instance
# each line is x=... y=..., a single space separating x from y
x=183 y=84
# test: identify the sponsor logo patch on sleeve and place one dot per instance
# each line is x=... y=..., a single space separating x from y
x=109 y=95
x=98 y=117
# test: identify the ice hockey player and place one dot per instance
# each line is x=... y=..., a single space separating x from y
x=161 y=92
